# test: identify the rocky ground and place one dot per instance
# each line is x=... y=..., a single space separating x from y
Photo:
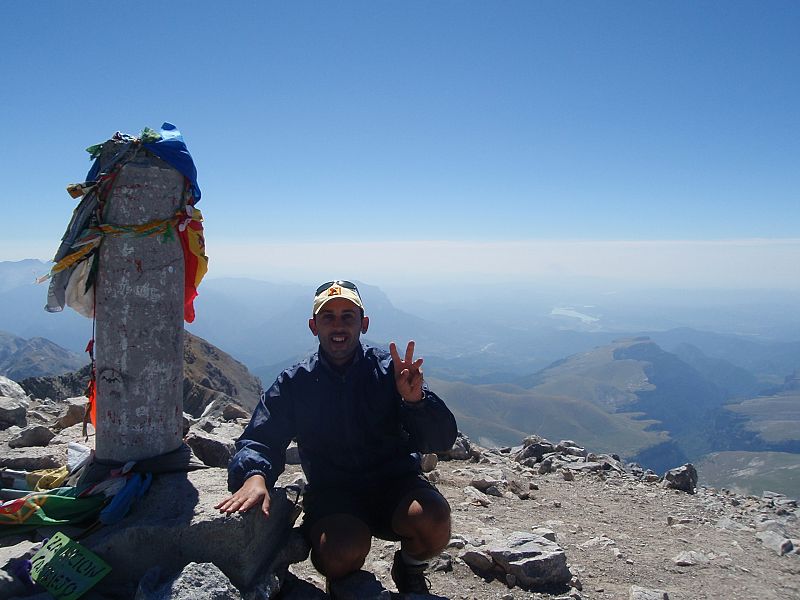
x=539 y=521
x=622 y=536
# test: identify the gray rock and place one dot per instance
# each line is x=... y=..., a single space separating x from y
x=520 y=488
x=210 y=448
x=230 y=431
x=428 y=462
x=72 y=413
x=12 y=412
x=175 y=523
x=682 y=478
x=461 y=449
x=534 y=448
x=570 y=448
x=534 y=561
x=642 y=593
x=231 y=412
x=443 y=563
x=11 y=389
x=197 y=581
x=478 y=560
x=485 y=478
x=690 y=558
x=34 y=458
x=35 y=435
x=775 y=542
x=476 y=497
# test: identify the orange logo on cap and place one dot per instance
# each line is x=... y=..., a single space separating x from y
x=334 y=291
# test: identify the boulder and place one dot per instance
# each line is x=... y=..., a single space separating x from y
x=12 y=412
x=35 y=435
x=34 y=458
x=231 y=412
x=11 y=389
x=461 y=450
x=428 y=462
x=475 y=497
x=682 y=478
x=478 y=560
x=570 y=448
x=534 y=448
x=486 y=478
x=72 y=413
x=195 y=582
x=175 y=523
x=534 y=561
x=213 y=450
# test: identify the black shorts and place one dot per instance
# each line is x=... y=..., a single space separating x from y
x=373 y=504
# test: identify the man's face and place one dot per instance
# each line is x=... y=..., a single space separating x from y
x=339 y=326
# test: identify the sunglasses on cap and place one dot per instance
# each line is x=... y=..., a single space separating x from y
x=340 y=282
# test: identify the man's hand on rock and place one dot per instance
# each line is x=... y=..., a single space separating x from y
x=407 y=373
x=253 y=492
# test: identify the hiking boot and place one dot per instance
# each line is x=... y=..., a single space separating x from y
x=409 y=579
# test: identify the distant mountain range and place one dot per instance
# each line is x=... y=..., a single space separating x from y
x=657 y=397
x=21 y=358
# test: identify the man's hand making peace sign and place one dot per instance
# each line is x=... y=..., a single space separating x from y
x=407 y=373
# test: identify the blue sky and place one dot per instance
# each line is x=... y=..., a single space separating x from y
x=409 y=136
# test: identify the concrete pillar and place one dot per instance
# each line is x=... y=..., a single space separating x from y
x=139 y=316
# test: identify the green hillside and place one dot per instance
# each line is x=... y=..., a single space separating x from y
x=752 y=472
x=775 y=419
x=504 y=414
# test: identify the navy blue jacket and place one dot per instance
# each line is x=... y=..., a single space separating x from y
x=351 y=428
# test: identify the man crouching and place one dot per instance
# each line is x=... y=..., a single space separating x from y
x=361 y=416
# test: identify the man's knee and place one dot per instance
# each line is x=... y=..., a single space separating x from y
x=339 y=545
x=424 y=516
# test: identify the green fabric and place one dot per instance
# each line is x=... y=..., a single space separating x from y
x=150 y=136
x=54 y=507
x=94 y=151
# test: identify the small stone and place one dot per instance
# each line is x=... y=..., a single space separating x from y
x=567 y=474
x=643 y=593
x=556 y=504
x=442 y=563
x=690 y=558
x=428 y=462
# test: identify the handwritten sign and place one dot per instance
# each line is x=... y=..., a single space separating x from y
x=67 y=569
